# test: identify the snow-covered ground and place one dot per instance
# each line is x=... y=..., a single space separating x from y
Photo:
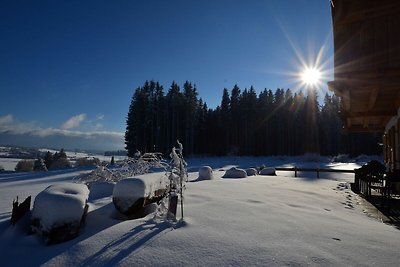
x=258 y=220
x=9 y=163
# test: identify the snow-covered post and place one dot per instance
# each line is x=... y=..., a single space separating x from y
x=176 y=186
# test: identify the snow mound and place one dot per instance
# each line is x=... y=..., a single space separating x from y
x=251 y=171
x=268 y=171
x=206 y=173
x=132 y=194
x=59 y=206
x=235 y=173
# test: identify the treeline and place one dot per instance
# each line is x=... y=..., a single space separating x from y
x=245 y=123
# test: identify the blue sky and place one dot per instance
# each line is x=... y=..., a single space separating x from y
x=69 y=68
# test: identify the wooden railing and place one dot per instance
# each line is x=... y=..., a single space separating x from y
x=317 y=170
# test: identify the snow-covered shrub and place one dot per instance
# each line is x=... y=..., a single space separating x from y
x=268 y=171
x=100 y=174
x=235 y=173
x=177 y=179
x=60 y=163
x=206 y=173
x=127 y=168
x=59 y=211
x=39 y=165
x=24 y=166
x=2 y=168
x=87 y=162
x=251 y=171
x=130 y=195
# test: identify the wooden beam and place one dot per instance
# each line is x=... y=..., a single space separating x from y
x=365 y=122
x=372 y=98
x=370 y=113
x=367 y=14
x=370 y=129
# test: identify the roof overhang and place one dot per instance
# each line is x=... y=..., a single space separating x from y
x=367 y=62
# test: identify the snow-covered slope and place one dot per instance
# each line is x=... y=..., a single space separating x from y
x=258 y=220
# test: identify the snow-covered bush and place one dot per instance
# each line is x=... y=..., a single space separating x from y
x=24 y=166
x=251 y=171
x=268 y=171
x=39 y=165
x=127 y=168
x=100 y=174
x=206 y=173
x=130 y=195
x=59 y=211
x=2 y=168
x=87 y=161
x=60 y=163
x=235 y=173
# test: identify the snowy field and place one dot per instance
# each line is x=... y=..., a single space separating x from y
x=258 y=220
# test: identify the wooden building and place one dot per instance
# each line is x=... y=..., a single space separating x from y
x=366 y=36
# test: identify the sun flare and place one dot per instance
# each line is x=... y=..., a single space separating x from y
x=311 y=76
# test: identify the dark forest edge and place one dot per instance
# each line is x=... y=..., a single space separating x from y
x=245 y=123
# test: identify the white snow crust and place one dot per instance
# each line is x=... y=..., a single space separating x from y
x=206 y=173
x=60 y=203
x=251 y=171
x=280 y=221
x=268 y=171
x=235 y=173
x=129 y=190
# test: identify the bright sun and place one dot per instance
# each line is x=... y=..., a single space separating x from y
x=311 y=76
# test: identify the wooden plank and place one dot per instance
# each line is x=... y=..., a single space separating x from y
x=313 y=170
x=372 y=98
x=378 y=11
x=370 y=113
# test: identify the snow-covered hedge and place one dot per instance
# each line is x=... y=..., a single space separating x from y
x=235 y=173
x=127 y=168
x=87 y=161
x=251 y=171
x=130 y=195
x=268 y=171
x=59 y=210
x=206 y=173
x=61 y=163
x=24 y=166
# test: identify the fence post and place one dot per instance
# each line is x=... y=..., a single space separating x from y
x=318 y=173
x=295 y=171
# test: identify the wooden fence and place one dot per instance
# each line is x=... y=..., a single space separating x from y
x=317 y=170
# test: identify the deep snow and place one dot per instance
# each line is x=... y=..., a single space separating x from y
x=257 y=220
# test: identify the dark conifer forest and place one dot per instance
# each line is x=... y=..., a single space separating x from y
x=280 y=122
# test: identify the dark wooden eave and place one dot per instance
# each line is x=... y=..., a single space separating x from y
x=367 y=62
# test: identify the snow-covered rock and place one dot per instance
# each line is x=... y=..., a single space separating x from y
x=130 y=195
x=235 y=173
x=59 y=210
x=268 y=171
x=206 y=173
x=251 y=171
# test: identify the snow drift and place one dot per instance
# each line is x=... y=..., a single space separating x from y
x=205 y=173
x=235 y=173
x=59 y=210
x=130 y=195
